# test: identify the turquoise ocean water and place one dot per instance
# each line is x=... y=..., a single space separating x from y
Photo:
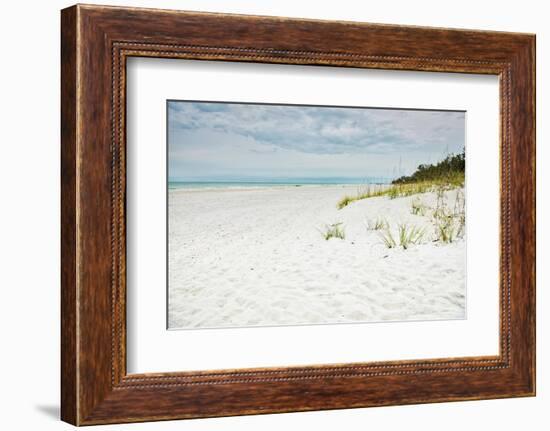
x=289 y=182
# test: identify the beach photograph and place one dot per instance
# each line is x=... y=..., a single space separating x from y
x=302 y=215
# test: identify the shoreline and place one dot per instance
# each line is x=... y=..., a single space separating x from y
x=267 y=186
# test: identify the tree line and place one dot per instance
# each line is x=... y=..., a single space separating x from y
x=449 y=168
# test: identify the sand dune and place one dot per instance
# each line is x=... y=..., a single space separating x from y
x=255 y=257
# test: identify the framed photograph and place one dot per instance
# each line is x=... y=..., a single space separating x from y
x=264 y=214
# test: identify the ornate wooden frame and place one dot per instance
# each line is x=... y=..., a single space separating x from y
x=95 y=42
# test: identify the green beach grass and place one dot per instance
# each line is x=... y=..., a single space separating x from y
x=447 y=174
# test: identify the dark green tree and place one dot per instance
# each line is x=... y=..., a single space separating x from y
x=450 y=167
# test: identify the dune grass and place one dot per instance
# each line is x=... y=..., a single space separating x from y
x=445 y=230
x=365 y=192
x=335 y=230
x=439 y=178
x=409 y=235
x=390 y=190
x=448 y=173
x=377 y=224
x=400 y=190
x=418 y=207
x=449 y=223
x=404 y=190
x=387 y=238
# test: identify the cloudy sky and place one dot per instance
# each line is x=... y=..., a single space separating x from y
x=226 y=141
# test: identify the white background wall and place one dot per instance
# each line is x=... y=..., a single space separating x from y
x=29 y=215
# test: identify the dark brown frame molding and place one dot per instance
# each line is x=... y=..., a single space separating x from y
x=95 y=43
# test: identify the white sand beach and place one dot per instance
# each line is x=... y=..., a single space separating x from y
x=256 y=257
